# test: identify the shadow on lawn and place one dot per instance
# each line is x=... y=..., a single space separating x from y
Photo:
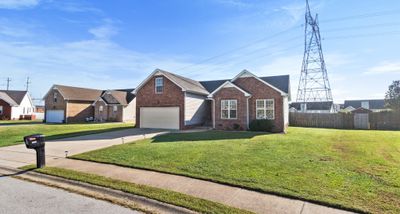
x=205 y=136
x=21 y=123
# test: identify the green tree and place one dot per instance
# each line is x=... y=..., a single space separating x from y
x=392 y=99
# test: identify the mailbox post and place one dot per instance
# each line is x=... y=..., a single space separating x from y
x=37 y=143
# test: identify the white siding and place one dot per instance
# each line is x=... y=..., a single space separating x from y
x=285 y=111
x=19 y=110
x=129 y=112
x=196 y=109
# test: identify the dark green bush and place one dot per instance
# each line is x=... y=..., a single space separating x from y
x=263 y=125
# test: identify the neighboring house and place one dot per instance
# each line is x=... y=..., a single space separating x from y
x=115 y=105
x=65 y=104
x=166 y=100
x=314 y=107
x=373 y=105
x=15 y=105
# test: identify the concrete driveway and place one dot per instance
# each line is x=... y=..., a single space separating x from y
x=19 y=155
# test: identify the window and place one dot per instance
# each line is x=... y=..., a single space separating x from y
x=24 y=110
x=159 y=85
x=115 y=108
x=265 y=109
x=55 y=97
x=1 y=109
x=101 y=108
x=228 y=109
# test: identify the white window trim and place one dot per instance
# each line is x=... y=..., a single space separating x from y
x=1 y=110
x=155 y=85
x=55 y=97
x=101 y=108
x=265 y=109
x=229 y=109
x=115 y=108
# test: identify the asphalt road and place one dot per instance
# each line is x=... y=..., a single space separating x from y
x=17 y=196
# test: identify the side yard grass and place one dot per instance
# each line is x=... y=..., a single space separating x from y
x=167 y=196
x=350 y=169
x=11 y=135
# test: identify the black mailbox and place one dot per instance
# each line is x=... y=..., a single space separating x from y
x=37 y=143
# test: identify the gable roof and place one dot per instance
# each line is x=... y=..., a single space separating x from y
x=281 y=82
x=184 y=83
x=16 y=96
x=246 y=73
x=211 y=85
x=77 y=93
x=7 y=99
x=373 y=104
x=230 y=84
x=313 y=105
x=120 y=96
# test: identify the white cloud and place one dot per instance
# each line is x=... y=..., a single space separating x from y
x=11 y=28
x=75 y=7
x=235 y=3
x=294 y=10
x=18 y=4
x=385 y=67
x=105 y=31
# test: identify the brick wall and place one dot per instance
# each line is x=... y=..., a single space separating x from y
x=6 y=110
x=115 y=116
x=78 y=111
x=259 y=90
x=171 y=96
x=101 y=116
x=231 y=94
x=49 y=103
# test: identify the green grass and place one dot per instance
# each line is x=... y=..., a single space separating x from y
x=11 y=135
x=167 y=196
x=343 y=168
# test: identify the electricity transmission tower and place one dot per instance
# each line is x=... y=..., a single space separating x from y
x=314 y=84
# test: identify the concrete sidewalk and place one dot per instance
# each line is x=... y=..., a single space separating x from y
x=232 y=196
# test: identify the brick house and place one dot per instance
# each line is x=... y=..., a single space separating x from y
x=167 y=100
x=115 y=106
x=15 y=105
x=67 y=104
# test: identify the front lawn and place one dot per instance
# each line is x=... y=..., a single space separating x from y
x=343 y=168
x=11 y=135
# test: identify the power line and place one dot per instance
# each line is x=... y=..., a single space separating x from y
x=8 y=83
x=362 y=16
x=238 y=48
x=27 y=83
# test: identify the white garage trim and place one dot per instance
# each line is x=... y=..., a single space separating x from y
x=159 y=117
x=54 y=116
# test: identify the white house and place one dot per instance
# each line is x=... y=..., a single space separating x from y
x=15 y=104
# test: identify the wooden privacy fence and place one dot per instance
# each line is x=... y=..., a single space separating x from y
x=376 y=120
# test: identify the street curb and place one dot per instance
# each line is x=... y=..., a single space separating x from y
x=142 y=203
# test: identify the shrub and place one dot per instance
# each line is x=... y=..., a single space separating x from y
x=263 y=125
x=236 y=127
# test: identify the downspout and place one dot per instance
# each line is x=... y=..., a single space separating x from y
x=247 y=106
x=213 y=112
x=66 y=111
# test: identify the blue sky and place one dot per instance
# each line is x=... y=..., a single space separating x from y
x=116 y=44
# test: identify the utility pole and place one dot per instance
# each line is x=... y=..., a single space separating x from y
x=314 y=84
x=27 y=83
x=8 y=83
